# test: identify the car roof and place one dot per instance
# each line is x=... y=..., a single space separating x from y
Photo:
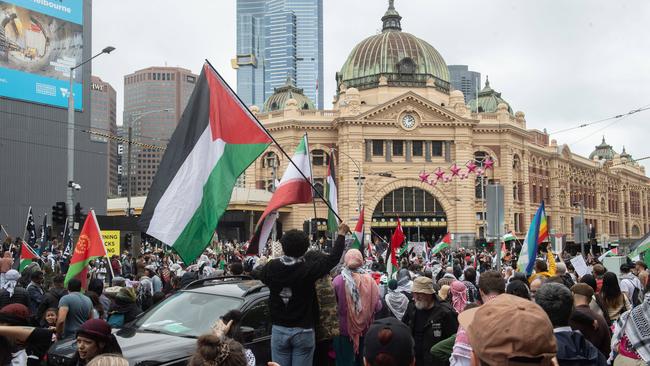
x=232 y=286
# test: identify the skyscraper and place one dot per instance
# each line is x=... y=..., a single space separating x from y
x=103 y=123
x=154 y=99
x=464 y=80
x=276 y=39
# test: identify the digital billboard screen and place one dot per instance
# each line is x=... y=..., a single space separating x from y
x=39 y=41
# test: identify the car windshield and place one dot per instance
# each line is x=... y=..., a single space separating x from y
x=187 y=313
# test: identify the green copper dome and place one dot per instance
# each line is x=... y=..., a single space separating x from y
x=603 y=151
x=488 y=100
x=278 y=101
x=402 y=58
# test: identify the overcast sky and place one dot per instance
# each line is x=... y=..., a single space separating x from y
x=563 y=63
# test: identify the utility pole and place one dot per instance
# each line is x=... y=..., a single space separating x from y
x=582 y=227
x=274 y=233
x=128 y=170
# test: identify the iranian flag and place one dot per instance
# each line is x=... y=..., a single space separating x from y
x=294 y=187
x=331 y=194
x=395 y=243
x=358 y=233
x=90 y=246
x=216 y=139
x=443 y=244
x=27 y=254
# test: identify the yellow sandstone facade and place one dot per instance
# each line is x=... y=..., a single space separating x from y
x=395 y=118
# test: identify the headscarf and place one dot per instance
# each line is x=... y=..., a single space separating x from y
x=458 y=296
x=361 y=295
x=11 y=279
x=396 y=301
x=635 y=325
x=145 y=289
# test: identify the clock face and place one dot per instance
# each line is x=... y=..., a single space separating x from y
x=408 y=121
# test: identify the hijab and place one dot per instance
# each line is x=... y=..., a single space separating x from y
x=361 y=295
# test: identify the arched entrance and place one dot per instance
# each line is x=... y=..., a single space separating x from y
x=422 y=216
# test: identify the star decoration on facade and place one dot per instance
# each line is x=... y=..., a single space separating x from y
x=479 y=172
x=447 y=179
x=454 y=170
x=488 y=163
x=463 y=175
x=424 y=176
x=440 y=174
x=471 y=167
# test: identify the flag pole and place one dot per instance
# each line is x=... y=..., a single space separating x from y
x=313 y=201
x=27 y=221
x=103 y=245
x=320 y=195
x=4 y=231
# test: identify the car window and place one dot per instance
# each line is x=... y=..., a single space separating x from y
x=187 y=313
x=258 y=317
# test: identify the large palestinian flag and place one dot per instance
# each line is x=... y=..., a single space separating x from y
x=215 y=141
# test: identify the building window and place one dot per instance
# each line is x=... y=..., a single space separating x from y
x=436 y=148
x=319 y=184
x=318 y=158
x=398 y=148
x=377 y=147
x=417 y=148
x=270 y=160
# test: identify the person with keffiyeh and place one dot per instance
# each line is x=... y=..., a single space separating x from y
x=630 y=344
x=358 y=300
x=11 y=292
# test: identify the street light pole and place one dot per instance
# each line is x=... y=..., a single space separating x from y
x=359 y=179
x=134 y=118
x=70 y=149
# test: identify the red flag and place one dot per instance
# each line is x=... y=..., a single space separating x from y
x=396 y=242
x=89 y=246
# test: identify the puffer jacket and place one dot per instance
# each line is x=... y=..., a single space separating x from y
x=573 y=349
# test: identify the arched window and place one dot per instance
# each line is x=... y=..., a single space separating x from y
x=305 y=106
x=636 y=232
x=406 y=66
x=274 y=106
x=516 y=162
x=319 y=158
x=270 y=160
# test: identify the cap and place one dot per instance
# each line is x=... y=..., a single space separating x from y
x=583 y=289
x=423 y=285
x=398 y=343
x=509 y=330
x=14 y=314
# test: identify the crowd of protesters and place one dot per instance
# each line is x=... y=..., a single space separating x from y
x=342 y=308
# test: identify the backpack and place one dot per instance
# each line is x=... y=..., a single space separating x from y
x=116 y=320
x=637 y=297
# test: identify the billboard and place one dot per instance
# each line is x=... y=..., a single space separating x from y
x=39 y=41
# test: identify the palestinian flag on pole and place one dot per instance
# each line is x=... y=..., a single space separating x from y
x=358 y=233
x=215 y=141
x=294 y=187
x=509 y=237
x=27 y=255
x=90 y=246
x=609 y=253
x=443 y=244
x=395 y=243
x=331 y=194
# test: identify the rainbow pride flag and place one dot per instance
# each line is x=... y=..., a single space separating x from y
x=537 y=233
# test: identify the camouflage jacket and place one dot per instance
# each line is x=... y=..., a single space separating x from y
x=328 y=321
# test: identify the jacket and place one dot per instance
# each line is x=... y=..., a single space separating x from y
x=292 y=299
x=441 y=324
x=20 y=297
x=573 y=349
x=36 y=293
x=582 y=319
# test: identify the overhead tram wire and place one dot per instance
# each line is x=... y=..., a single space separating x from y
x=618 y=116
x=78 y=128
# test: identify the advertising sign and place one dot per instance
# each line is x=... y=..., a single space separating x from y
x=111 y=242
x=39 y=41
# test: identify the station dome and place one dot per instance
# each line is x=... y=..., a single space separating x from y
x=278 y=100
x=603 y=151
x=488 y=100
x=402 y=58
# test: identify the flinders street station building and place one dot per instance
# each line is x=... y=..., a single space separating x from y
x=406 y=145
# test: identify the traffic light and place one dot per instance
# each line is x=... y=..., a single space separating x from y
x=79 y=214
x=59 y=213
